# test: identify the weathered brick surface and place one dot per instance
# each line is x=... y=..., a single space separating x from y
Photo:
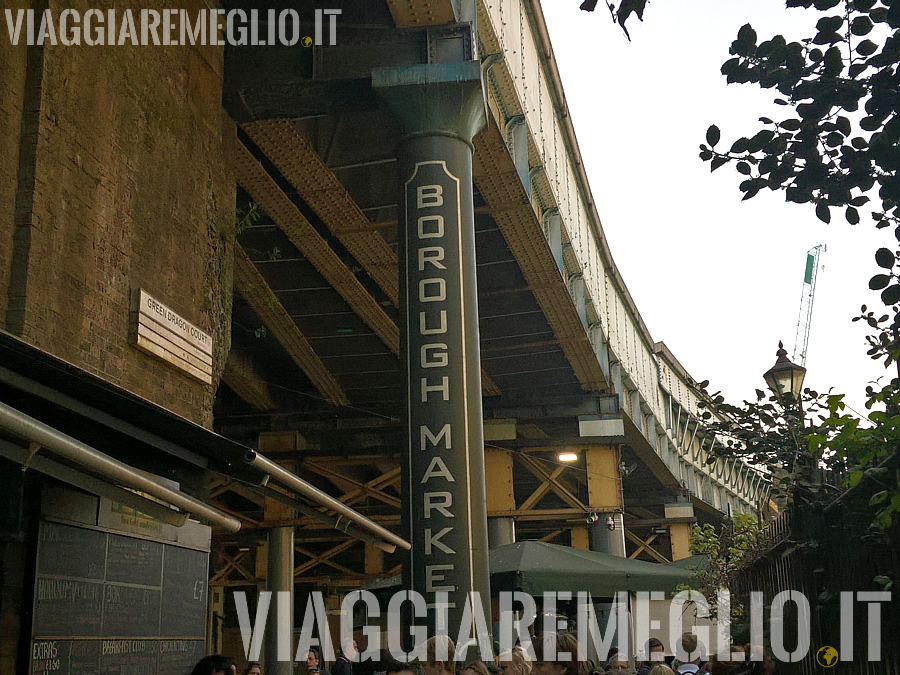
x=132 y=190
x=12 y=91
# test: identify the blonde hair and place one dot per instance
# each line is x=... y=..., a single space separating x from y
x=433 y=649
x=518 y=660
x=661 y=669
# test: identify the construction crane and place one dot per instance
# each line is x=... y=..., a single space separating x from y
x=807 y=295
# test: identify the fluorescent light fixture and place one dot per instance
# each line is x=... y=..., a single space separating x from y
x=567 y=457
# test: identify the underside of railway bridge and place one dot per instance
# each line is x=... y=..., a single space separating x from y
x=568 y=369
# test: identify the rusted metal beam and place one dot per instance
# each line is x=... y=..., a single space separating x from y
x=253 y=288
x=645 y=545
x=243 y=379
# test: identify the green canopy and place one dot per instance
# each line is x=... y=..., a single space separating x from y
x=691 y=563
x=535 y=567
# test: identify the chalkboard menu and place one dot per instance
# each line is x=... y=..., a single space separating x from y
x=106 y=603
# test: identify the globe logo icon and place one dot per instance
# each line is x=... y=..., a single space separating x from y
x=306 y=41
x=827 y=657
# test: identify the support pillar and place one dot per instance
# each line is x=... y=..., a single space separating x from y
x=605 y=499
x=442 y=107
x=374 y=560
x=280 y=579
x=275 y=562
x=680 y=532
x=498 y=471
x=606 y=540
x=680 y=536
x=581 y=538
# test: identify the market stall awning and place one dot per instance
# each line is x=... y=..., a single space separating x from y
x=535 y=567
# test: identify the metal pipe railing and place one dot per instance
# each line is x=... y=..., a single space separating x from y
x=300 y=486
x=117 y=472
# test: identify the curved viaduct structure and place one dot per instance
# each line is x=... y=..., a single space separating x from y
x=568 y=368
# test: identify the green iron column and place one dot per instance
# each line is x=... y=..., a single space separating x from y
x=442 y=106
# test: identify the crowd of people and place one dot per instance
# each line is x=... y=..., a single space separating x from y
x=553 y=654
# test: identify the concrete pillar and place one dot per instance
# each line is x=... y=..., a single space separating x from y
x=442 y=108
x=280 y=579
x=605 y=499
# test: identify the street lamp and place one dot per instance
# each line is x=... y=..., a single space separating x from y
x=785 y=377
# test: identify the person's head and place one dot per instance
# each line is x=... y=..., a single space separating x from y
x=515 y=662
x=548 y=655
x=349 y=648
x=440 y=656
x=215 y=664
x=312 y=659
x=475 y=668
x=733 y=664
x=661 y=669
x=388 y=665
x=655 y=646
x=253 y=669
x=617 y=665
x=690 y=645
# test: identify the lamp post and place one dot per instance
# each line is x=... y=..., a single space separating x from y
x=785 y=377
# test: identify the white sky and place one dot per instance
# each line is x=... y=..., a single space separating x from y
x=718 y=280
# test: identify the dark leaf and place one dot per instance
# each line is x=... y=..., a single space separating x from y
x=791 y=124
x=834 y=139
x=743 y=168
x=870 y=123
x=884 y=258
x=852 y=215
x=859 y=201
x=823 y=213
x=626 y=8
x=891 y=295
x=829 y=24
x=589 y=5
x=713 y=135
x=879 y=281
x=866 y=48
x=861 y=25
x=765 y=120
x=717 y=162
x=739 y=146
x=746 y=35
x=879 y=14
x=843 y=125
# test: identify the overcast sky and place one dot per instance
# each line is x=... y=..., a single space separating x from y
x=719 y=281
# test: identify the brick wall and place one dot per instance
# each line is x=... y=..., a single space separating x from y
x=12 y=91
x=132 y=190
